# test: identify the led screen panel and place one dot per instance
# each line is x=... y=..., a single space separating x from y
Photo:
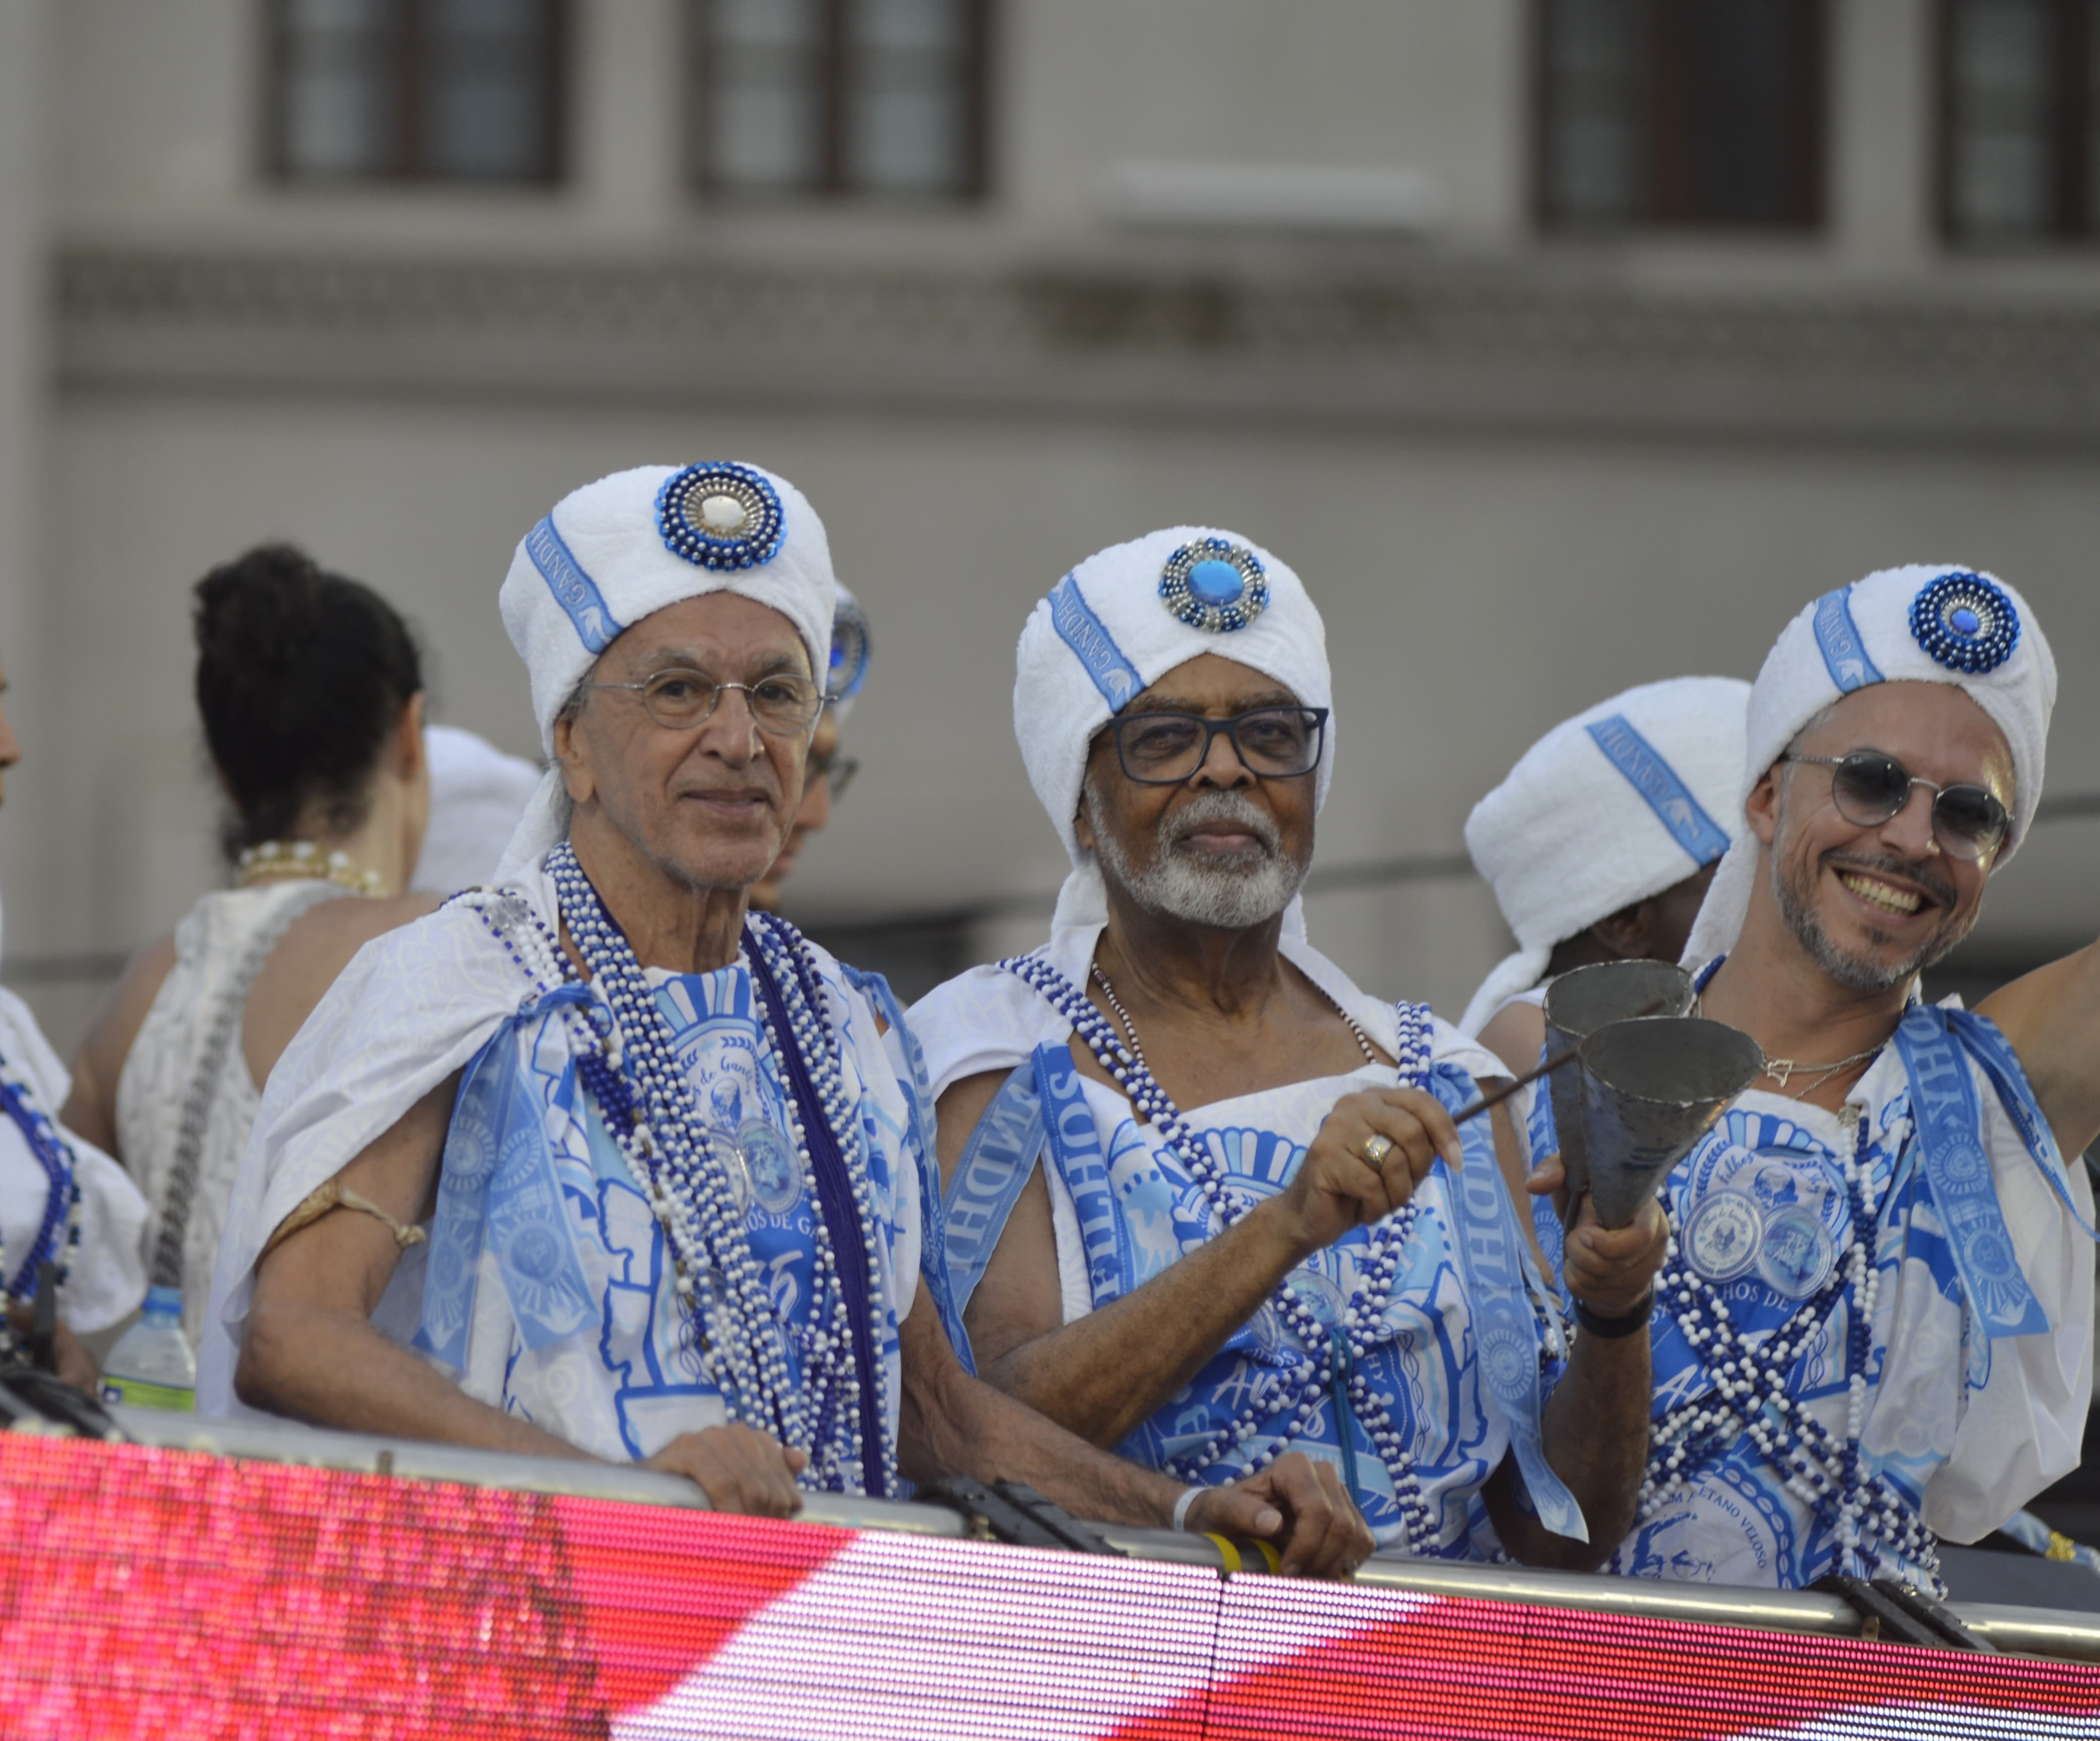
x=161 y=1593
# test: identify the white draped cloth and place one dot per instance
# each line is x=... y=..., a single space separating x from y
x=417 y=1004
x=1972 y=1427
x=989 y=1019
x=185 y=1081
x=108 y=1277
x=478 y=796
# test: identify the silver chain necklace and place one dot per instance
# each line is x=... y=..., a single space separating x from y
x=1137 y=1051
x=1783 y=1070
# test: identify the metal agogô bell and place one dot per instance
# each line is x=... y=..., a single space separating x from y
x=1650 y=1091
x=1578 y=1003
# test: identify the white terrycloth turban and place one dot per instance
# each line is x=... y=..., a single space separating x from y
x=1623 y=801
x=622 y=549
x=1121 y=621
x=1927 y=623
x=477 y=794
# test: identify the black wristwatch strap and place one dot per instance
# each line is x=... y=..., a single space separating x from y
x=1628 y=1323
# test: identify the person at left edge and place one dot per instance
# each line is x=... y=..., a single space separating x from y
x=589 y=1164
x=64 y=1203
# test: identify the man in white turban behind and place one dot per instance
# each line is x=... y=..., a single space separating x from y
x=1600 y=847
x=584 y=1164
x=1877 y=1324
x=477 y=795
x=1207 y=1200
x=1600 y=844
x=830 y=769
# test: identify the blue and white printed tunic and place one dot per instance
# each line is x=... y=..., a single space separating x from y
x=1961 y=1427
x=1426 y=1367
x=559 y=1303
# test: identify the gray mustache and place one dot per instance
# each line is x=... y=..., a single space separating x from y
x=1221 y=807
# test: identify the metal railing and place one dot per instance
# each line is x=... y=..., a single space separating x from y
x=2032 y=1632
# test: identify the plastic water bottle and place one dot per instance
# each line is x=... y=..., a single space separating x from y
x=152 y=1365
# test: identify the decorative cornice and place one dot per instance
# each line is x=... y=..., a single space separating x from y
x=1506 y=348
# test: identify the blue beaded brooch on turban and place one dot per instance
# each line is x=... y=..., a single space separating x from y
x=849 y=649
x=719 y=515
x=1214 y=585
x=1966 y=623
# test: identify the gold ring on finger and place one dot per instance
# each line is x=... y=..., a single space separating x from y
x=1375 y=1152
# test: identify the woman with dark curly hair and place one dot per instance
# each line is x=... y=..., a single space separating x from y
x=310 y=689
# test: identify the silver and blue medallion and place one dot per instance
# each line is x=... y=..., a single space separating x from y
x=850 y=651
x=727 y=1153
x=774 y=1169
x=1721 y=1236
x=1965 y=623
x=1319 y=1295
x=1797 y=1254
x=721 y=515
x=1214 y=585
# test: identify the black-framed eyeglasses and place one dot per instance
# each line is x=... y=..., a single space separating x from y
x=1273 y=743
x=835 y=770
x=679 y=697
x=1868 y=787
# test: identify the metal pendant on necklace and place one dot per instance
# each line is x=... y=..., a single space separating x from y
x=1782 y=1070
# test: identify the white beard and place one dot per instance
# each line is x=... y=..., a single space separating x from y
x=1251 y=887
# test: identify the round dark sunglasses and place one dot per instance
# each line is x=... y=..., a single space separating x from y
x=1869 y=787
x=1164 y=749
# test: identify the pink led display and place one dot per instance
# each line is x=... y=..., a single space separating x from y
x=160 y=1593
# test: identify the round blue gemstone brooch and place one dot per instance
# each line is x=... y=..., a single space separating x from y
x=1965 y=623
x=850 y=650
x=1214 y=585
x=719 y=515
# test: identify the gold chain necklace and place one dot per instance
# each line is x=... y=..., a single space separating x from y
x=283 y=860
x=1130 y=1028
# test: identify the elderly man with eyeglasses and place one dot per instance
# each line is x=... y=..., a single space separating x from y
x=1206 y=1201
x=593 y=1163
x=1876 y=1323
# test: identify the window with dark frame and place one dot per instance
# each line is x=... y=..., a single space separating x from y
x=1666 y=113
x=2019 y=135
x=793 y=99
x=466 y=91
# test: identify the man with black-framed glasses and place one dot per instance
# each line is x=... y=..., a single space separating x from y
x=1205 y=1200
x=1876 y=1324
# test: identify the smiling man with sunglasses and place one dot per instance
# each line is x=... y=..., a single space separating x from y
x=1878 y=1323
x=1206 y=1201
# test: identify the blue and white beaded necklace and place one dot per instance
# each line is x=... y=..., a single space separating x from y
x=58 y=1234
x=1753 y=1395
x=627 y=1059
x=1334 y=1364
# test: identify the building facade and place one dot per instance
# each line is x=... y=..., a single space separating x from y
x=1559 y=344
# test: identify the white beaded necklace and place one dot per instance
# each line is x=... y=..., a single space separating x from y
x=1752 y=1396
x=627 y=1058
x=1330 y=1360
